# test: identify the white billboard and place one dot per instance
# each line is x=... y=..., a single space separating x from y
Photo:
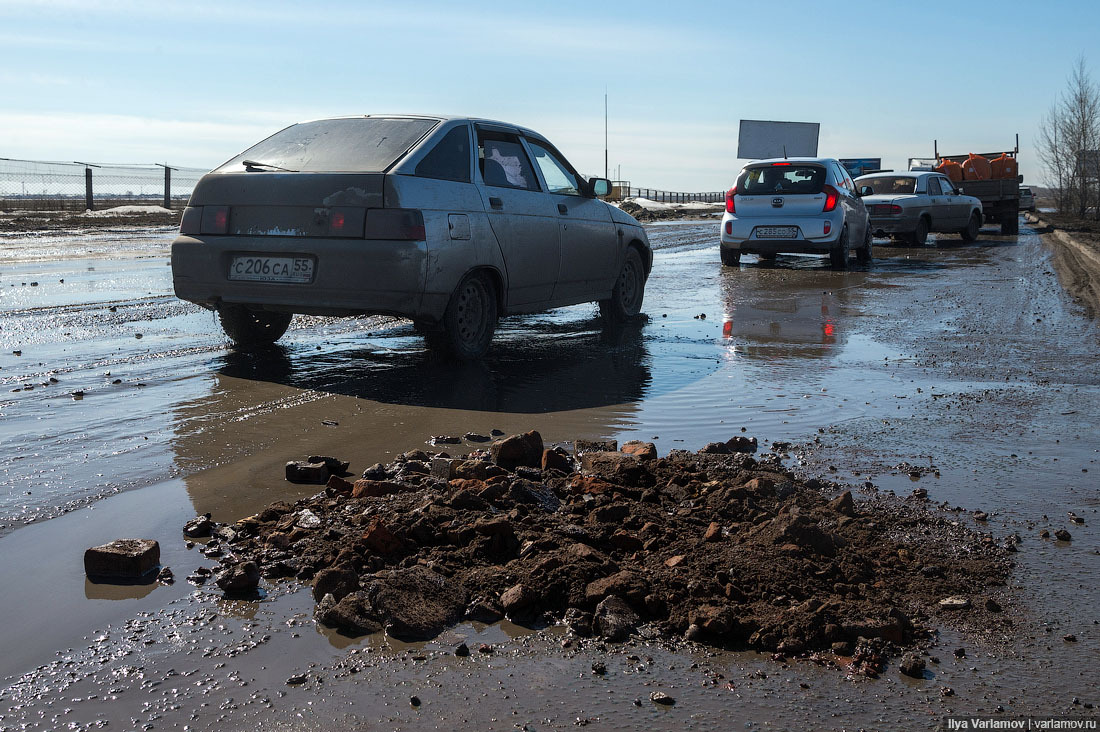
x=765 y=139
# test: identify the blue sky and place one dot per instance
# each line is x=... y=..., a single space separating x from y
x=195 y=83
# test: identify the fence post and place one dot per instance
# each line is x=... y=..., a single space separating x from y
x=88 y=189
x=167 y=187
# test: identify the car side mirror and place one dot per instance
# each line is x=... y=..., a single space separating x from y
x=599 y=186
x=866 y=191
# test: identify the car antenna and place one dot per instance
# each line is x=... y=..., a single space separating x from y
x=784 y=152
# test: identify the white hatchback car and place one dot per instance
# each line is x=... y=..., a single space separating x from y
x=795 y=205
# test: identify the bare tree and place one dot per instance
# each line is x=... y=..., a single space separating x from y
x=1069 y=138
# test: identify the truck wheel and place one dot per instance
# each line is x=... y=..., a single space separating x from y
x=248 y=327
x=730 y=257
x=470 y=319
x=920 y=234
x=1010 y=225
x=838 y=255
x=626 y=298
x=970 y=233
x=863 y=254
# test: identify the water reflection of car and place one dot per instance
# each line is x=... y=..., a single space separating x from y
x=795 y=205
x=1027 y=199
x=800 y=323
x=451 y=222
x=910 y=205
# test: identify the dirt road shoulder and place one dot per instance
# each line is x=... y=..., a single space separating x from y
x=1076 y=260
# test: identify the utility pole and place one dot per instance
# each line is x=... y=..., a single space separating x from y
x=606 y=168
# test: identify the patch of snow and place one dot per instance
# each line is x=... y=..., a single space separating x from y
x=649 y=205
x=128 y=211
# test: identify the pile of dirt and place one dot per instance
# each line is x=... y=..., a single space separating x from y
x=716 y=546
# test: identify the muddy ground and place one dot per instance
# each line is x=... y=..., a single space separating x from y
x=962 y=370
x=1076 y=245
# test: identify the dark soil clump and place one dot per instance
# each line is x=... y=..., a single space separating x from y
x=724 y=549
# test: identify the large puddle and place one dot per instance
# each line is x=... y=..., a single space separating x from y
x=968 y=359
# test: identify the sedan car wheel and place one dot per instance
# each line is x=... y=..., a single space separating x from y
x=920 y=234
x=626 y=298
x=248 y=327
x=970 y=233
x=470 y=319
x=838 y=255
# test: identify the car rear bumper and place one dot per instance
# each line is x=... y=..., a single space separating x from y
x=350 y=276
x=779 y=246
x=893 y=224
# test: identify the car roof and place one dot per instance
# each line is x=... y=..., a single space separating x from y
x=900 y=174
x=504 y=126
x=771 y=161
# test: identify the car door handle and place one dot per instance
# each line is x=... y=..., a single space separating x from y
x=496 y=202
x=562 y=208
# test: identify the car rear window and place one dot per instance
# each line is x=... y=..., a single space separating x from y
x=360 y=144
x=893 y=186
x=790 y=178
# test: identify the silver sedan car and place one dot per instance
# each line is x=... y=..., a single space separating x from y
x=451 y=222
x=799 y=205
x=909 y=205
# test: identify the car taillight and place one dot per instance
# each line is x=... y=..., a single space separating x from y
x=831 y=197
x=405 y=224
x=731 y=207
x=191 y=222
x=895 y=209
x=828 y=227
x=215 y=219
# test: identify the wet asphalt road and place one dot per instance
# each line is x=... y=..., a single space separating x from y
x=968 y=359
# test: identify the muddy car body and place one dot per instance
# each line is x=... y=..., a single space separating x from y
x=910 y=205
x=451 y=222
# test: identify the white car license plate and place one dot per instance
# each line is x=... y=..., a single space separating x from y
x=271 y=269
x=776 y=232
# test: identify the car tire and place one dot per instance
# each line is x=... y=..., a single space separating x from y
x=920 y=234
x=865 y=253
x=247 y=327
x=838 y=255
x=626 y=297
x=470 y=319
x=970 y=233
x=730 y=257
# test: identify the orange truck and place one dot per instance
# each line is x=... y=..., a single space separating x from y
x=993 y=178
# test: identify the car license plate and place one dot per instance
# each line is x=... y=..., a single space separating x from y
x=271 y=269
x=776 y=232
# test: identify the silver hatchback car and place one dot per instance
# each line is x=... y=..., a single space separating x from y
x=797 y=205
x=451 y=222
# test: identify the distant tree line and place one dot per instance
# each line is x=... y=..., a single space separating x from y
x=1069 y=144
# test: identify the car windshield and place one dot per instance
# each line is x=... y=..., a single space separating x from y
x=781 y=178
x=892 y=186
x=360 y=144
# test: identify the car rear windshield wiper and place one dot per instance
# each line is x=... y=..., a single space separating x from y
x=254 y=165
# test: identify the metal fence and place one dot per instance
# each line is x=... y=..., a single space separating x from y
x=40 y=185
x=621 y=189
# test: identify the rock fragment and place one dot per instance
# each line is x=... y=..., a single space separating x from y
x=122 y=559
